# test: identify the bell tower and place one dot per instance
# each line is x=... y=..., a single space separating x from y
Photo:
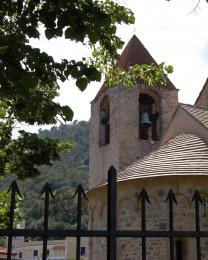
x=126 y=124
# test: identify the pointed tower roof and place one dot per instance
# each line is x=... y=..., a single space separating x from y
x=134 y=53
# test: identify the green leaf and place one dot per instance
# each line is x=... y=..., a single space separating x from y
x=74 y=34
x=68 y=33
x=82 y=83
x=32 y=32
x=49 y=33
x=59 y=32
x=93 y=74
x=169 y=69
x=94 y=37
x=67 y=113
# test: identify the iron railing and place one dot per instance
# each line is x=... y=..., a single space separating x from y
x=111 y=233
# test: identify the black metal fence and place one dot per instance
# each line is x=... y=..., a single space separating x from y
x=111 y=234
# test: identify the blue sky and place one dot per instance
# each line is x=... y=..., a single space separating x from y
x=169 y=30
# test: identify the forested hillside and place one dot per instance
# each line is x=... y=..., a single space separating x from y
x=63 y=176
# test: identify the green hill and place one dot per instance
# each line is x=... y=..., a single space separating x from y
x=63 y=176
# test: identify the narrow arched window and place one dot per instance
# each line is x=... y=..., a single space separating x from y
x=104 y=137
x=148 y=117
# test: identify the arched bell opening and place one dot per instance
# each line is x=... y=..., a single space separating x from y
x=104 y=135
x=148 y=117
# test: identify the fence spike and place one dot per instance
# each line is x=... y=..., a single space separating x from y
x=15 y=188
x=171 y=196
x=47 y=188
x=112 y=170
x=79 y=188
x=197 y=197
x=143 y=195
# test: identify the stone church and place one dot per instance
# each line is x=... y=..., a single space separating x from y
x=156 y=143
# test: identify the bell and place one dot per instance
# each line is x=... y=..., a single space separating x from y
x=144 y=120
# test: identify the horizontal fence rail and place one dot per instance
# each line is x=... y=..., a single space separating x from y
x=111 y=234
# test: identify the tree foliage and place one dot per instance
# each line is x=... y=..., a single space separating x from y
x=64 y=176
x=5 y=199
x=29 y=77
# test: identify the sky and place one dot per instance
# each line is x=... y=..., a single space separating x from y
x=170 y=30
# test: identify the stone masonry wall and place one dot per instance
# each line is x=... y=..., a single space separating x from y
x=125 y=147
x=101 y=158
x=131 y=148
x=203 y=96
x=169 y=103
x=129 y=217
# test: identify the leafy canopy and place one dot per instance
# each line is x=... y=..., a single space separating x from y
x=29 y=77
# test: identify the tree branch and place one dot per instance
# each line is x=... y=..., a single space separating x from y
x=196 y=7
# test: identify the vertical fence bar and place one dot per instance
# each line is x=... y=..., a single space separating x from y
x=197 y=198
x=198 y=240
x=143 y=229
x=47 y=191
x=13 y=188
x=79 y=215
x=143 y=197
x=112 y=207
x=171 y=229
x=45 y=239
x=171 y=199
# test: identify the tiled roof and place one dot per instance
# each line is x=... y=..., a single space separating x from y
x=200 y=113
x=186 y=154
x=134 y=53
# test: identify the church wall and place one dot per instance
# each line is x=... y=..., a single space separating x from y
x=184 y=123
x=129 y=216
x=124 y=128
x=102 y=157
x=169 y=103
x=129 y=121
x=129 y=128
x=202 y=100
